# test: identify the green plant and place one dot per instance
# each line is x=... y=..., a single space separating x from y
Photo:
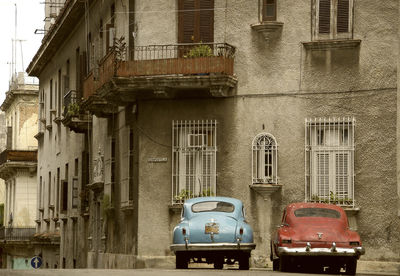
x=184 y=194
x=106 y=206
x=207 y=192
x=73 y=109
x=200 y=51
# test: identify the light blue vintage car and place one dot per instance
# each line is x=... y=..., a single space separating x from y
x=213 y=230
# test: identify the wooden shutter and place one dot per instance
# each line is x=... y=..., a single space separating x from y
x=196 y=21
x=186 y=21
x=324 y=16
x=206 y=21
x=343 y=16
x=323 y=174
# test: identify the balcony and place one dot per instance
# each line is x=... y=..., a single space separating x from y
x=74 y=117
x=12 y=160
x=160 y=71
x=16 y=233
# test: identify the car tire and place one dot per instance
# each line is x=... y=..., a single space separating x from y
x=181 y=261
x=351 y=266
x=244 y=262
x=218 y=264
x=275 y=264
x=284 y=264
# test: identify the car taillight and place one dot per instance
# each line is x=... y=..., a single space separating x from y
x=241 y=231
x=286 y=241
x=354 y=243
x=184 y=231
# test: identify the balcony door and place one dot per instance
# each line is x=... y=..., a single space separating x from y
x=196 y=21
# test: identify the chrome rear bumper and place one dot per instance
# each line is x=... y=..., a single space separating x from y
x=212 y=247
x=307 y=251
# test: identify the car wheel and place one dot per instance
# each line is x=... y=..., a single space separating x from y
x=351 y=266
x=181 y=261
x=244 y=262
x=284 y=264
x=275 y=264
x=219 y=263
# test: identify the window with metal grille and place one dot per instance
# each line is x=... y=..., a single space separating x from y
x=333 y=19
x=265 y=159
x=193 y=159
x=329 y=149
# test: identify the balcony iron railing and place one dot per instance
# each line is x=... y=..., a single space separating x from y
x=71 y=106
x=156 y=60
x=16 y=233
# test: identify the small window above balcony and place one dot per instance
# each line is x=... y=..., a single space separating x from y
x=332 y=25
x=267 y=24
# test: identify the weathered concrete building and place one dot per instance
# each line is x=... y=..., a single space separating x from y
x=18 y=163
x=146 y=103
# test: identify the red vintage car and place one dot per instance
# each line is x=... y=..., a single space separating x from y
x=315 y=237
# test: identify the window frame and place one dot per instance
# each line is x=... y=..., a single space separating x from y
x=263 y=6
x=193 y=165
x=330 y=180
x=333 y=32
x=259 y=175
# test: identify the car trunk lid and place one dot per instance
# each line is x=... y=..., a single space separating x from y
x=212 y=228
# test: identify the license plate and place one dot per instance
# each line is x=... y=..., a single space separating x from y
x=212 y=228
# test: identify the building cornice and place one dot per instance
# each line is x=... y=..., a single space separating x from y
x=12 y=95
x=65 y=22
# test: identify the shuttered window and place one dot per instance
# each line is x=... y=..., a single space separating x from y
x=196 y=21
x=333 y=19
x=329 y=160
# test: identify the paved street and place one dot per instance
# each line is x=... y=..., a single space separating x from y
x=149 y=272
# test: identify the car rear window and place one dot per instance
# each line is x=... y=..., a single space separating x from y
x=213 y=206
x=316 y=212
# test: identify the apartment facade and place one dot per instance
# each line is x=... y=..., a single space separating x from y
x=147 y=103
x=18 y=162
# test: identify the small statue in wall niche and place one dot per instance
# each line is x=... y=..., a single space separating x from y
x=98 y=168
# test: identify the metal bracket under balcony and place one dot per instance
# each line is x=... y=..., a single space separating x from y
x=78 y=124
x=122 y=90
x=99 y=106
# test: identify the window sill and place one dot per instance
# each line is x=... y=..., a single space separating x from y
x=324 y=45
x=49 y=127
x=265 y=190
x=267 y=28
x=41 y=210
x=175 y=207
x=351 y=211
x=127 y=207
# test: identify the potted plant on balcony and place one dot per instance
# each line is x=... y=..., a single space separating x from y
x=73 y=110
x=201 y=50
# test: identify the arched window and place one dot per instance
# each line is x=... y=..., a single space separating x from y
x=265 y=159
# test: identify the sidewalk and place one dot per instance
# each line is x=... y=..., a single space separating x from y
x=378 y=268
